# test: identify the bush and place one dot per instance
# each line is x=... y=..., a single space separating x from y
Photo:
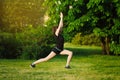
x=77 y=38
x=115 y=48
x=9 y=46
x=35 y=42
x=90 y=39
x=32 y=43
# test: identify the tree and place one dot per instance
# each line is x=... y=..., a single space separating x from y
x=86 y=16
x=15 y=15
x=22 y=34
x=106 y=27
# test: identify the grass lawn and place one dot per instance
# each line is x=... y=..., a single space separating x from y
x=87 y=64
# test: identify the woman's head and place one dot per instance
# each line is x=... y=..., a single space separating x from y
x=54 y=29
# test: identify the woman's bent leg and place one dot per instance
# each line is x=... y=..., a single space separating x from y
x=69 y=53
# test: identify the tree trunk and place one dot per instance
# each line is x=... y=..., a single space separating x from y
x=105 y=45
x=107 y=40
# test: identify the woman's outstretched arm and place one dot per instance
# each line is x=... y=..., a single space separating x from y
x=60 y=25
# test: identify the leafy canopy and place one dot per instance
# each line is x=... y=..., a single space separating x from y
x=86 y=15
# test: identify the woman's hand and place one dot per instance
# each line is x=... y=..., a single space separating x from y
x=61 y=15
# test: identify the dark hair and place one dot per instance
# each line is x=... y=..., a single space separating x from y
x=54 y=29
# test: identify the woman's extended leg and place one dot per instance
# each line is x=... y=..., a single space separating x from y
x=69 y=53
x=51 y=55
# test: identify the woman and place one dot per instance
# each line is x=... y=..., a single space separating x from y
x=58 y=49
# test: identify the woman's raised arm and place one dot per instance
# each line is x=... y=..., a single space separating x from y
x=60 y=25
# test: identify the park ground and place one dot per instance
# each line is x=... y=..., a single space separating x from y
x=87 y=64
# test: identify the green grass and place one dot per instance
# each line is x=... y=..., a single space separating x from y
x=87 y=64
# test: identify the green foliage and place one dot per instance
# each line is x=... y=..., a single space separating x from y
x=116 y=28
x=99 y=32
x=30 y=44
x=17 y=14
x=115 y=48
x=76 y=39
x=90 y=39
x=9 y=46
x=35 y=42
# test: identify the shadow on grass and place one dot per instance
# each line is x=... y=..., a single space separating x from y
x=85 y=51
